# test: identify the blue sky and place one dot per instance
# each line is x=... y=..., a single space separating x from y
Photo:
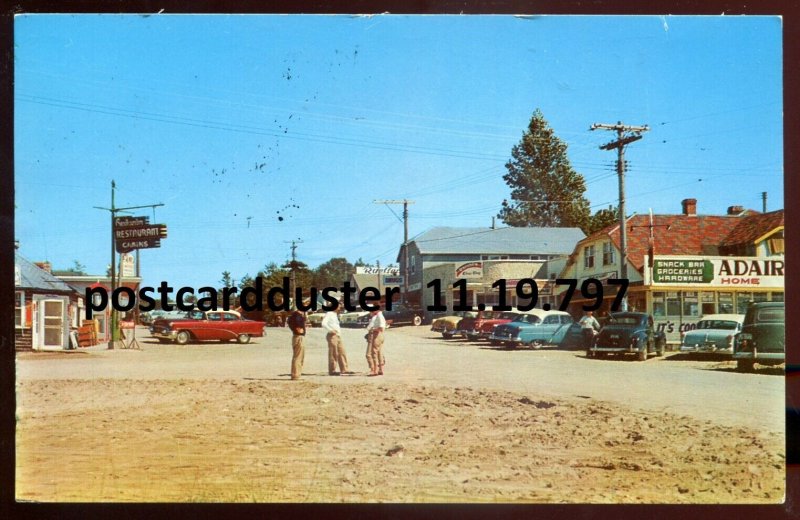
x=258 y=130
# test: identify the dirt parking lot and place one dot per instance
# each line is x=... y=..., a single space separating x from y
x=451 y=421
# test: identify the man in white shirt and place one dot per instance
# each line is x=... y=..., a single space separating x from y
x=375 y=359
x=589 y=327
x=336 y=353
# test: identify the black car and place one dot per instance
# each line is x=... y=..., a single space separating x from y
x=628 y=333
x=763 y=336
x=403 y=314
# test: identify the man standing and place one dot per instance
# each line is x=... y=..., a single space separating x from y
x=297 y=324
x=589 y=327
x=336 y=353
x=375 y=359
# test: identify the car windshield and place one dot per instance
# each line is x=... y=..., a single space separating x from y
x=717 y=324
x=508 y=315
x=527 y=318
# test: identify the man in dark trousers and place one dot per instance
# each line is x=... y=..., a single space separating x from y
x=297 y=324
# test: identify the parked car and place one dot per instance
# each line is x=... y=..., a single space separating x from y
x=763 y=336
x=208 y=325
x=534 y=328
x=403 y=314
x=448 y=325
x=628 y=333
x=314 y=319
x=353 y=319
x=574 y=339
x=470 y=328
x=714 y=333
x=483 y=329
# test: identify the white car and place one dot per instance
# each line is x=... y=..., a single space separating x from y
x=713 y=333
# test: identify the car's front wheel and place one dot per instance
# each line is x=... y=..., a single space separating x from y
x=243 y=338
x=182 y=338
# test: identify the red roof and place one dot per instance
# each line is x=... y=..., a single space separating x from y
x=753 y=227
x=688 y=234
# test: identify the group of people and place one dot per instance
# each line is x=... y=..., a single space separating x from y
x=337 y=357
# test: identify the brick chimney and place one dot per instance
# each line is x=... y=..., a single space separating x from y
x=689 y=206
x=735 y=210
x=45 y=266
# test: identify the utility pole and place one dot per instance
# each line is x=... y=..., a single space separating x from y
x=293 y=267
x=114 y=210
x=763 y=201
x=626 y=134
x=405 y=204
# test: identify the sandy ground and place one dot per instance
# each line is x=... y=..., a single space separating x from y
x=222 y=423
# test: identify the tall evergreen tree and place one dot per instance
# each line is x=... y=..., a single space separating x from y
x=545 y=189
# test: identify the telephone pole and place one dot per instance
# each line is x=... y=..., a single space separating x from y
x=293 y=266
x=114 y=210
x=405 y=204
x=626 y=134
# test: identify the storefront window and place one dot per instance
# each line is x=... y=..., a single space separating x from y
x=636 y=302
x=777 y=296
x=19 y=309
x=760 y=297
x=707 y=303
x=659 y=307
x=725 y=303
x=673 y=304
x=690 y=304
x=743 y=299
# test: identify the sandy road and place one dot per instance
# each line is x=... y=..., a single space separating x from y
x=449 y=422
x=705 y=390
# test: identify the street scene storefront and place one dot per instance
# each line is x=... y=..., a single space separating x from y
x=482 y=283
x=683 y=289
x=682 y=267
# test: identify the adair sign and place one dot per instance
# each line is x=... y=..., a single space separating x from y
x=724 y=271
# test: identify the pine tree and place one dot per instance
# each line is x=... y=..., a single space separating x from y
x=545 y=189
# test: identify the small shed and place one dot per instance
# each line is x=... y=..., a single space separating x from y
x=45 y=308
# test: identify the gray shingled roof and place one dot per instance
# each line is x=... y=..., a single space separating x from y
x=34 y=277
x=510 y=240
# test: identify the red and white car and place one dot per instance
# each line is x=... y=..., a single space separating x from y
x=207 y=326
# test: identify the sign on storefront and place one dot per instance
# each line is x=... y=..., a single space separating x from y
x=470 y=270
x=720 y=271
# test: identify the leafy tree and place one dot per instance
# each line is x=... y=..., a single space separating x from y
x=332 y=273
x=226 y=280
x=359 y=263
x=601 y=219
x=545 y=189
x=77 y=269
